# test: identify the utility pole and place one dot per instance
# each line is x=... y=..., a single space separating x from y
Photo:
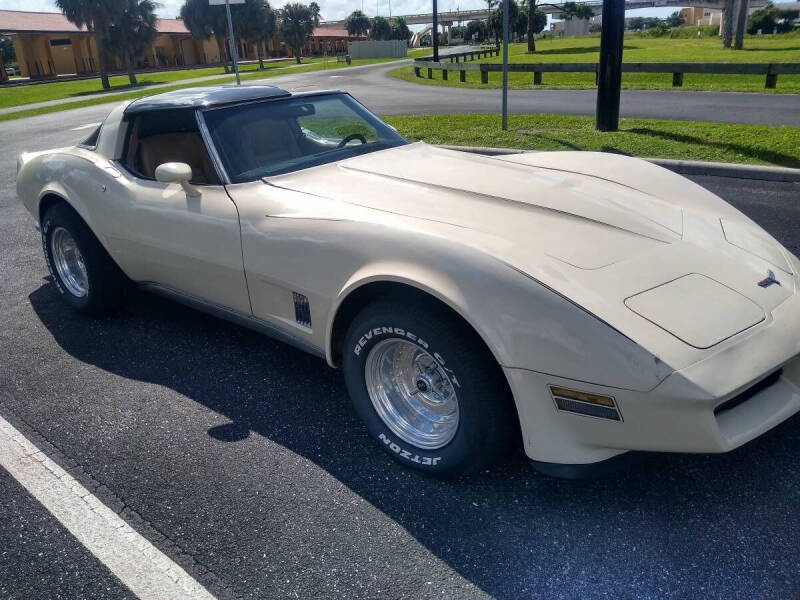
x=610 y=74
x=505 y=64
x=435 y=32
x=234 y=52
x=231 y=38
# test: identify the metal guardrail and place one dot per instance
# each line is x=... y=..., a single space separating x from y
x=770 y=70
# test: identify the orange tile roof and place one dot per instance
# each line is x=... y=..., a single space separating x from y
x=19 y=21
x=330 y=32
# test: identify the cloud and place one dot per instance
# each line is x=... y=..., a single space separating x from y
x=331 y=9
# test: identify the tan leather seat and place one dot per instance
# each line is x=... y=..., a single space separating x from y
x=186 y=147
x=270 y=141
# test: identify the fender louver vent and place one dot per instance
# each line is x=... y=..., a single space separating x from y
x=302 y=311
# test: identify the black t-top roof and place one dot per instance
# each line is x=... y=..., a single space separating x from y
x=204 y=97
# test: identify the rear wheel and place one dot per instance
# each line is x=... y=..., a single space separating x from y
x=84 y=274
x=427 y=389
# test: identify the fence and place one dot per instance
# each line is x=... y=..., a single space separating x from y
x=480 y=52
x=378 y=49
x=770 y=70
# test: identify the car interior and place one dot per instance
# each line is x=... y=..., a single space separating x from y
x=164 y=136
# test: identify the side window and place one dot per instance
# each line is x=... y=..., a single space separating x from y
x=163 y=136
x=90 y=143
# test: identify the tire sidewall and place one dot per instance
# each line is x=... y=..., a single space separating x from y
x=361 y=339
x=53 y=219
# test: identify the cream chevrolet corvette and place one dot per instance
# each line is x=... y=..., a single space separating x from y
x=588 y=304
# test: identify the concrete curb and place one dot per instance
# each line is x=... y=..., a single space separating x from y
x=684 y=167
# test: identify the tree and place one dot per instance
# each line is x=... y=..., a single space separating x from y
x=97 y=16
x=520 y=25
x=675 y=19
x=6 y=55
x=400 y=30
x=769 y=18
x=476 y=30
x=636 y=23
x=536 y=22
x=380 y=28
x=132 y=32
x=254 y=22
x=357 y=24
x=203 y=21
x=727 y=23
x=741 y=23
x=573 y=10
x=495 y=21
x=314 y=8
x=458 y=32
x=296 y=24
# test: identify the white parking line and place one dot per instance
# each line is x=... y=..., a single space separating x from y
x=144 y=569
x=87 y=126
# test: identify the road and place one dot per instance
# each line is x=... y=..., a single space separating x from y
x=386 y=95
x=241 y=459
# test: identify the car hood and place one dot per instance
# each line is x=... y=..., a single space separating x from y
x=537 y=207
x=597 y=228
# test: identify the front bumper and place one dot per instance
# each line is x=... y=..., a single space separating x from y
x=678 y=415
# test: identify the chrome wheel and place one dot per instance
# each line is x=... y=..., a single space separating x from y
x=68 y=261
x=412 y=394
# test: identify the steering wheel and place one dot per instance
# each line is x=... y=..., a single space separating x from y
x=350 y=138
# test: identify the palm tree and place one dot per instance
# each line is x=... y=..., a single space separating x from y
x=97 y=16
x=204 y=21
x=741 y=25
x=314 y=8
x=131 y=34
x=380 y=28
x=254 y=22
x=400 y=30
x=357 y=23
x=296 y=24
x=727 y=23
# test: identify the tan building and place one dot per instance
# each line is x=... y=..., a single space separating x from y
x=701 y=16
x=47 y=45
x=328 y=41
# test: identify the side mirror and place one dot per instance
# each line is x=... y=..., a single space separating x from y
x=177 y=172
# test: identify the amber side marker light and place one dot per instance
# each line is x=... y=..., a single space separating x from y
x=584 y=403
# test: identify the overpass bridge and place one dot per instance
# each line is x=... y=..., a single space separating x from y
x=448 y=18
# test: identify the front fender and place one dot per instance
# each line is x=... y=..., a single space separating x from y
x=524 y=323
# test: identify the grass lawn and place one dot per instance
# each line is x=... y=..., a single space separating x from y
x=761 y=49
x=688 y=140
x=85 y=88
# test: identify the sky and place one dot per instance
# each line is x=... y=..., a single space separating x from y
x=331 y=9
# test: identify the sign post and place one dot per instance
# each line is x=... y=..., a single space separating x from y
x=435 y=34
x=505 y=64
x=231 y=38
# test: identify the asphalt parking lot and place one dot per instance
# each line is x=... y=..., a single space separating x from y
x=241 y=459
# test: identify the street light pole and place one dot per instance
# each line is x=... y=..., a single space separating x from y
x=505 y=64
x=232 y=43
x=610 y=75
x=435 y=32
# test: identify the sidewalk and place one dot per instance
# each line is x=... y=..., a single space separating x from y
x=157 y=86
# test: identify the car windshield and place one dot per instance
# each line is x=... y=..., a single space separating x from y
x=280 y=136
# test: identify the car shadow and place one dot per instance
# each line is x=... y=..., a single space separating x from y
x=663 y=527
